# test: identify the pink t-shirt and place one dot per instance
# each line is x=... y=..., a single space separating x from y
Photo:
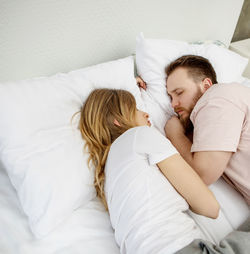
x=221 y=120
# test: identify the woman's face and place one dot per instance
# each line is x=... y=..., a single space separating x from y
x=142 y=118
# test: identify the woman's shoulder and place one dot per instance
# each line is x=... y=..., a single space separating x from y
x=138 y=130
x=131 y=134
x=148 y=132
x=140 y=134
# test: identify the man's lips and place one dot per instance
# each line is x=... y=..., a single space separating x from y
x=179 y=112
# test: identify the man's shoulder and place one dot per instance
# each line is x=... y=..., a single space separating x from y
x=222 y=96
x=223 y=87
x=228 y=91
x=217 y=92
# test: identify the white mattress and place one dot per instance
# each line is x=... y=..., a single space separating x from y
x=88 y=229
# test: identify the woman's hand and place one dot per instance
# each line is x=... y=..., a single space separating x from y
x=140 y=82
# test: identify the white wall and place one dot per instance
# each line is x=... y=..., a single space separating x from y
x=42 y=37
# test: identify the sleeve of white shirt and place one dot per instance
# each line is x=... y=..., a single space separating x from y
x=153 y=144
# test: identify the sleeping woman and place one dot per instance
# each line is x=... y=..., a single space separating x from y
x=141 y=179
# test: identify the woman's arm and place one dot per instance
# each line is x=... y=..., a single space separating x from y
x=141 y=83
x=190 y=186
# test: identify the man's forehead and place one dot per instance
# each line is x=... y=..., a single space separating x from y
x=176 y=79
x=173 y=86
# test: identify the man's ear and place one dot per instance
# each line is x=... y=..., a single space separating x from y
x=206 y=83
x=116 y=123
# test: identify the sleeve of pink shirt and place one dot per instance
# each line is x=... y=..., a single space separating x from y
x=217 y=125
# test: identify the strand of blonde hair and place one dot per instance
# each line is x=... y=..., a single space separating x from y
x=99 y=131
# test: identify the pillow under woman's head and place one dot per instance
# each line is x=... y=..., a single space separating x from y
x=42 y=150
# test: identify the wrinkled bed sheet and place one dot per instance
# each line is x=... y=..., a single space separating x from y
x=87 y=230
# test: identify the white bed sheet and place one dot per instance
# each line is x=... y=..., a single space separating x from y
x=88 y=229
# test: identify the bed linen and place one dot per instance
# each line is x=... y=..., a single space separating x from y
x=88 y=229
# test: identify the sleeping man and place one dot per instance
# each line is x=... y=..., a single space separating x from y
x=212 y=133
x=212 y=130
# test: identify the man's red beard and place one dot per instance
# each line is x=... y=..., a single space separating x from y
x=186 y=122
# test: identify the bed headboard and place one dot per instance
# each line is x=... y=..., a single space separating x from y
x=43 y=37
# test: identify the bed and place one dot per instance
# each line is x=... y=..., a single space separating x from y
x=52 y=54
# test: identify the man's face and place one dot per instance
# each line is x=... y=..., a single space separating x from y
x=184 y=93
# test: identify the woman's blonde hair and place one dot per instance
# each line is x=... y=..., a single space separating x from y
x=102 y=108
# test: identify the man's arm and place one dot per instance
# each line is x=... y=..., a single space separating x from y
x=209 y=165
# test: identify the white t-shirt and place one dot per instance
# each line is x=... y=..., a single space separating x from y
x=146 y=212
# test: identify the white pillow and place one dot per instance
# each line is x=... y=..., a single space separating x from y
x=153 y=55
x=42 y=150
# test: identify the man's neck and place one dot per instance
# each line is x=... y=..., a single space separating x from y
x=189 y=135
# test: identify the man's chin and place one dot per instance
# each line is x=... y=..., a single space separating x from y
x=183 y=120
x=187 y=124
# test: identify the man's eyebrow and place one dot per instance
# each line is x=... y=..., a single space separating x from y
x=169 y=95
x=173 y=90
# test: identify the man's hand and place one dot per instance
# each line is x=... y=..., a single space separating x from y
x=200 y=161
x=174 y=128
x=140 y=82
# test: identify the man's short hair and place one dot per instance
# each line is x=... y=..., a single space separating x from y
x=198 y=67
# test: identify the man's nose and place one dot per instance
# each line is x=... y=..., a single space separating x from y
x=174 y=102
